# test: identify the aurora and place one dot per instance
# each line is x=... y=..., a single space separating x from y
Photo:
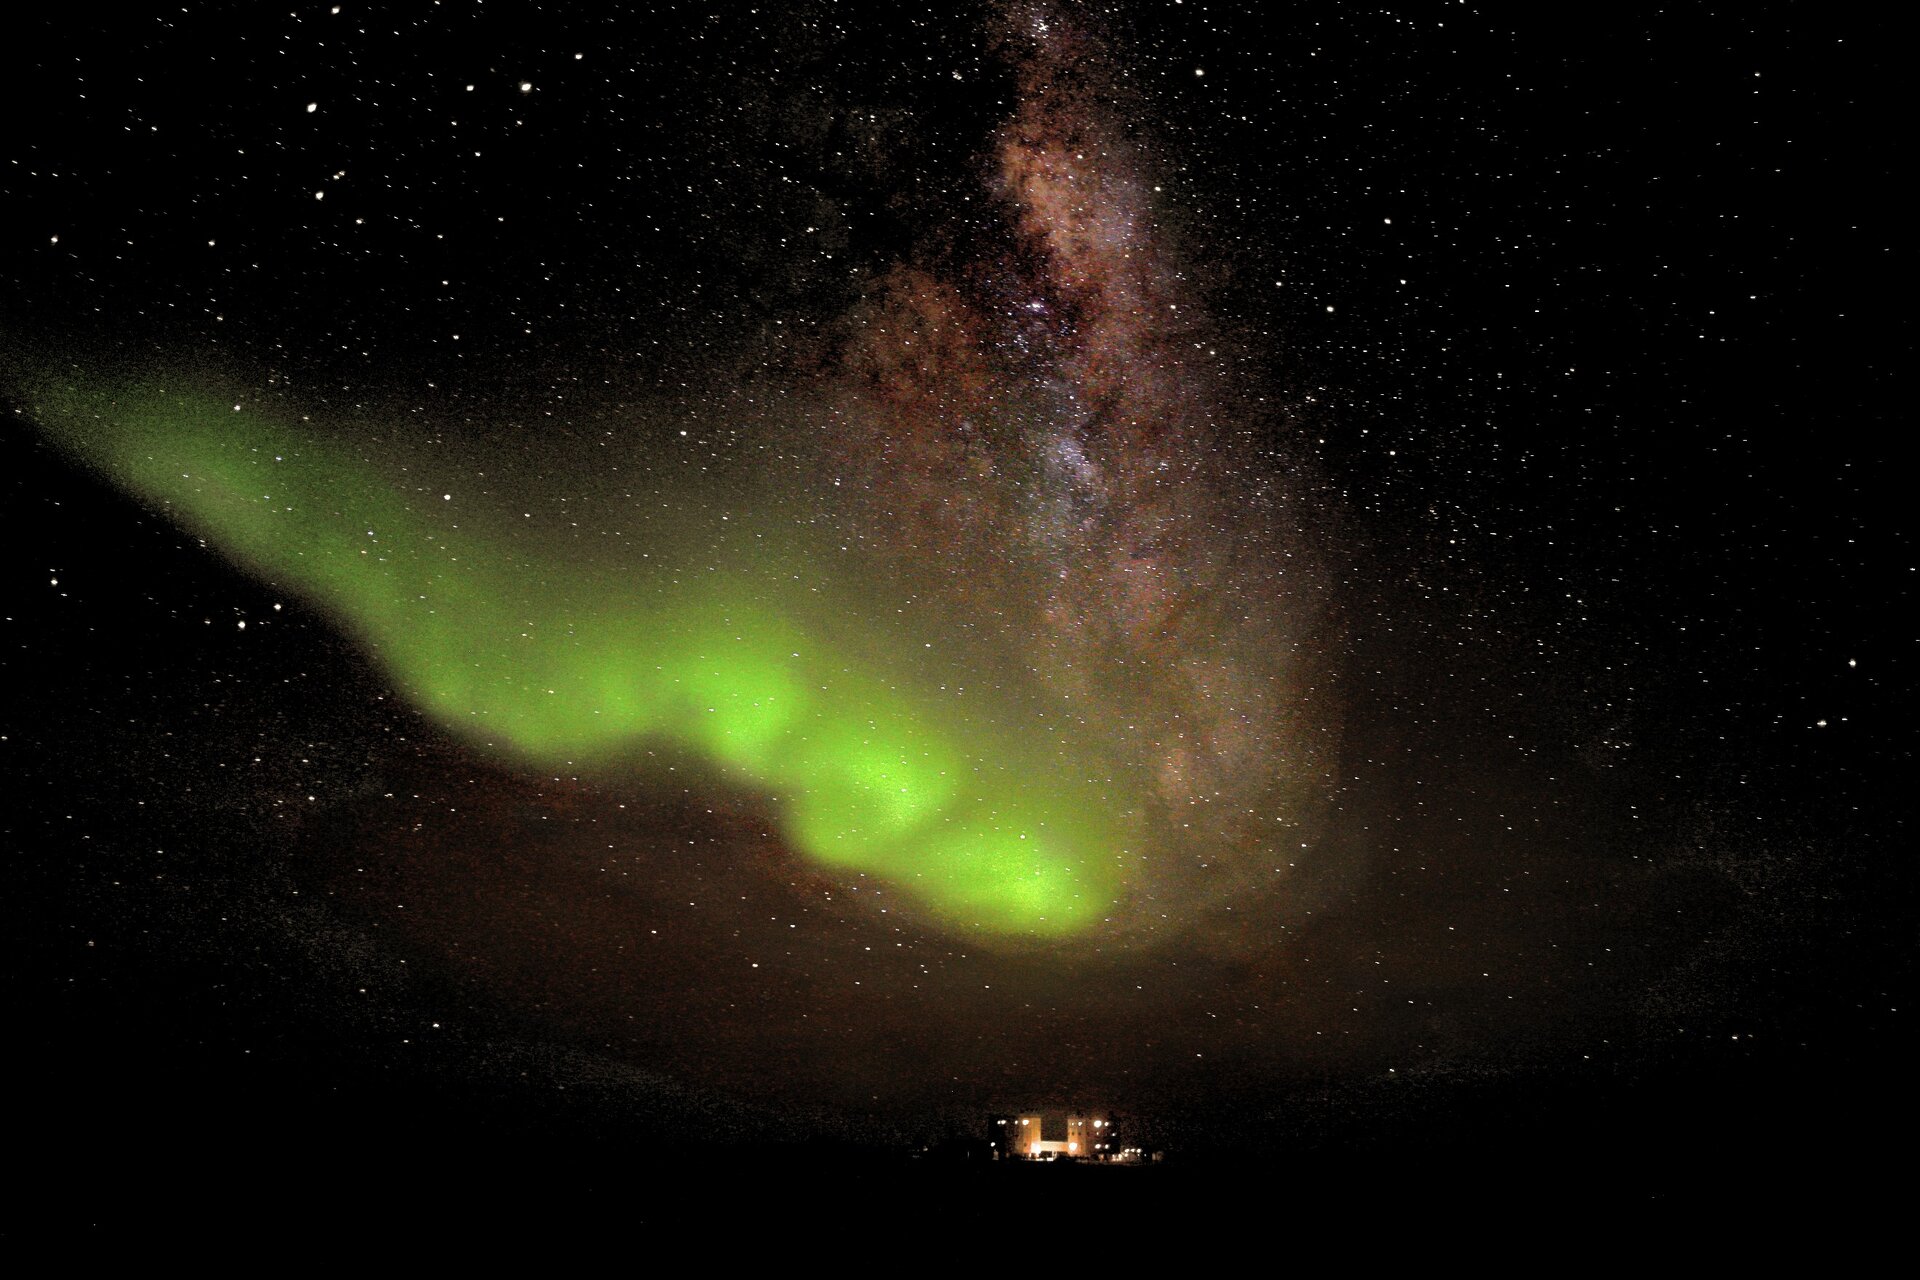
x=723 y=645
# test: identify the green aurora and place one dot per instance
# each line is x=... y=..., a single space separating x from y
x=712 y=642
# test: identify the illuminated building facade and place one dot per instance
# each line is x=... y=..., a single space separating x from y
x=1031 y=1137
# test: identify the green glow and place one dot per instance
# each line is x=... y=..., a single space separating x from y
x=718 y=643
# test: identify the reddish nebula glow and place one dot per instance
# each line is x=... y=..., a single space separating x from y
x=1032 y=419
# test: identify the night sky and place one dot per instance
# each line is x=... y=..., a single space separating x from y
x=602 y=580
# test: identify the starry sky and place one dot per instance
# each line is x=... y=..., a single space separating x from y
x=1321 y=575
